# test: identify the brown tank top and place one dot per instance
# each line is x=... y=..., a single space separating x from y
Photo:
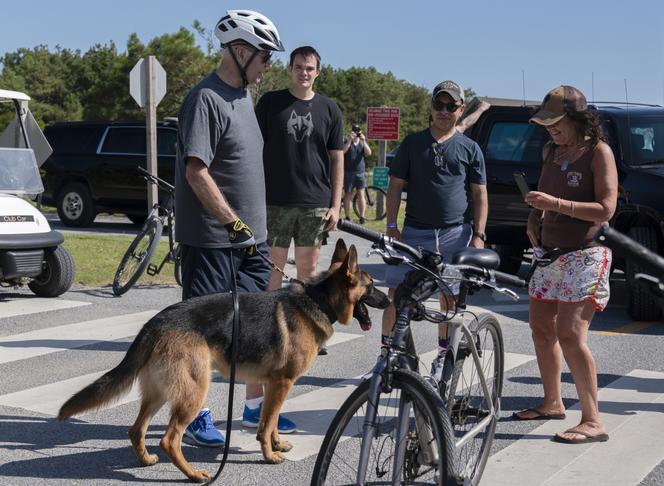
x=574 y=182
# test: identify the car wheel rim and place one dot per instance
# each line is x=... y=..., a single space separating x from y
x=72 y=205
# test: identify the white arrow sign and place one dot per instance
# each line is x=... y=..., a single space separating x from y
x=138 y=82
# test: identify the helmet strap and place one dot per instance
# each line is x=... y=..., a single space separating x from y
x=241 y=68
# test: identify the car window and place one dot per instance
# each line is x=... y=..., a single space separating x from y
x=166 y=141
x=519 y=142
x=646 y=141
x=125 y=140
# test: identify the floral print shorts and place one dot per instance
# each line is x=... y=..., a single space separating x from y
x=574 y=277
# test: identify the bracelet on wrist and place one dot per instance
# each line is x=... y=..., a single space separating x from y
x=391 y=226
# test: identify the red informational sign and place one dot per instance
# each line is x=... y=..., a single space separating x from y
x=382 y=123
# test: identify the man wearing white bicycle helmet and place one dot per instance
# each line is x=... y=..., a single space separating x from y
x=219 y=183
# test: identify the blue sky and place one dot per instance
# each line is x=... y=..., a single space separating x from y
x=482 y=44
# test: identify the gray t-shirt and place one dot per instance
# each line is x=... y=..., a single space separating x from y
x=438 y=178
x=217 y=124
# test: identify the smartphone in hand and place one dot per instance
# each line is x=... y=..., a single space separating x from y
x=521 y=182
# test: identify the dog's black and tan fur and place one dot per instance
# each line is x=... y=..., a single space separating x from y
x=280 y=332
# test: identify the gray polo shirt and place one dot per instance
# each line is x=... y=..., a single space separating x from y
x=217 y=124
x=439 y=176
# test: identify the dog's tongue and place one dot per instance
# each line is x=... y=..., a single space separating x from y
x=361 y=313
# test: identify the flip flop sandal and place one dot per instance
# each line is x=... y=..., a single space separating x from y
x=538 y=415
x=587 y=438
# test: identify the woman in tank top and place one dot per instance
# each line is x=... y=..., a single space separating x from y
x=577 y=193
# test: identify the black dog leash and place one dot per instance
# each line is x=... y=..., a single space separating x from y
x=231 y=391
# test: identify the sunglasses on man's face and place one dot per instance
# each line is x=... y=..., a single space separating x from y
x=266 y=56
x=440 y=106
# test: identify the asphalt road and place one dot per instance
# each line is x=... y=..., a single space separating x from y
x=52 y=347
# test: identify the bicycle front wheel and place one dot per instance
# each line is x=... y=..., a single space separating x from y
x=137 y=256
x=467 y=403
x=376 y=203
x=427 y=450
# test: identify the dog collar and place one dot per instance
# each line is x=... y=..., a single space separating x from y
x=320 y=299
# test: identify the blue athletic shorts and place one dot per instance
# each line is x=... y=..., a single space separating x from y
x=447 y=241
x=208 y=270
x=354 y=181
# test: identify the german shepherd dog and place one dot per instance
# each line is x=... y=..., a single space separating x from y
x=175 y=352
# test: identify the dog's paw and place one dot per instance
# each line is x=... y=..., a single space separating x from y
x=149 y=460
x=199 y=476
x=282 y=445
x=275 y=458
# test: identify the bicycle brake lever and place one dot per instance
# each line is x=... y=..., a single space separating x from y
x=503 y=290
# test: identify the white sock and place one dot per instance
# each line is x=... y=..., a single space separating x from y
x=253 y=402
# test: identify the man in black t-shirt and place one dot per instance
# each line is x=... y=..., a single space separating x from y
x=303 y=160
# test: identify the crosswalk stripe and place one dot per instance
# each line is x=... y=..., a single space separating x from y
x=53 y=339
x=48 y=398
x=34 y=305
x=631 y=408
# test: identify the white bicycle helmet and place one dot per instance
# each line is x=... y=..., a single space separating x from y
x=251 y=27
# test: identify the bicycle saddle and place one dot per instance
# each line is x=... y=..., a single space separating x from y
x=480 y=257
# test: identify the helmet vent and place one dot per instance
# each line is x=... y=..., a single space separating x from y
x=232 y=24
x=223 y=28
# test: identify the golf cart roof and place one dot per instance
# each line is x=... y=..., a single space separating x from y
x=5 y=94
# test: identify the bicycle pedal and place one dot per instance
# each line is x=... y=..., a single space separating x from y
x=152 y=270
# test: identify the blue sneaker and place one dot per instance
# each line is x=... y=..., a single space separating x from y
x=202 y=432
x=251 y=416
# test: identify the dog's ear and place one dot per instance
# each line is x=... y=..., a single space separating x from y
x=340 y=252
x=350 y=263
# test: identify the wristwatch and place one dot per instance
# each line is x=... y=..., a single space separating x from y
x=480 y=235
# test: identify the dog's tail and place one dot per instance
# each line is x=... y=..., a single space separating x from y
x=112 y=384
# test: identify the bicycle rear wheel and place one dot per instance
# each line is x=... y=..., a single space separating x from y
x=467 y=404
x=137 y=256
x=177 y=262
x=338 y=458
x=375 y=209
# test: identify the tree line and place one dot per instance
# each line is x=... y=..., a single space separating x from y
x=68 y=85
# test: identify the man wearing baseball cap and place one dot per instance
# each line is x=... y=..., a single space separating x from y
x=447 y=206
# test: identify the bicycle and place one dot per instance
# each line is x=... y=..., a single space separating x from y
x=375 y=208
x=653 y=277
x=421 y=426
x=137 y=257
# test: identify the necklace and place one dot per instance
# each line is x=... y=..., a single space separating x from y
x=566 y=154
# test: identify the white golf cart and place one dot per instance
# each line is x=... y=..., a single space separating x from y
x=30 y=252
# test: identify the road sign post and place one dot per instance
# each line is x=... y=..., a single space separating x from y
x=147 y=85
x=382 y=125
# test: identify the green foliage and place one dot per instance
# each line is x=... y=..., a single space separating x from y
x=70 y=85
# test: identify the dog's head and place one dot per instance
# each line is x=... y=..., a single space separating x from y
x=357 y=287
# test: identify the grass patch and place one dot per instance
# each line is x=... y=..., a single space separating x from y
x=97 y=258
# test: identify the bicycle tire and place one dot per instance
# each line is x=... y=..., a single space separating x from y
x=349 y=421
x=372 y=212
x=137 y=256
x=177 y=262
x=466 y=403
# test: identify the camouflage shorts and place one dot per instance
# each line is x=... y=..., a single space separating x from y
x=304 y=225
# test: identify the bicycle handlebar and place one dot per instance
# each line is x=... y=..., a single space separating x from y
x=626 y=246
x=383 y=240
x=152 y=179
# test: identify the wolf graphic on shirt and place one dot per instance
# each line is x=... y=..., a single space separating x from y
x=300 y=126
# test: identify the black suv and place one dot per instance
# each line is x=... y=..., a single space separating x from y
x=93 y=168
x=635 y=133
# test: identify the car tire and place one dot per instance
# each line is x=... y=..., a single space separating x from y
x=511 y=258
x=641 y=303
x=75 y=206
x=58 y=274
